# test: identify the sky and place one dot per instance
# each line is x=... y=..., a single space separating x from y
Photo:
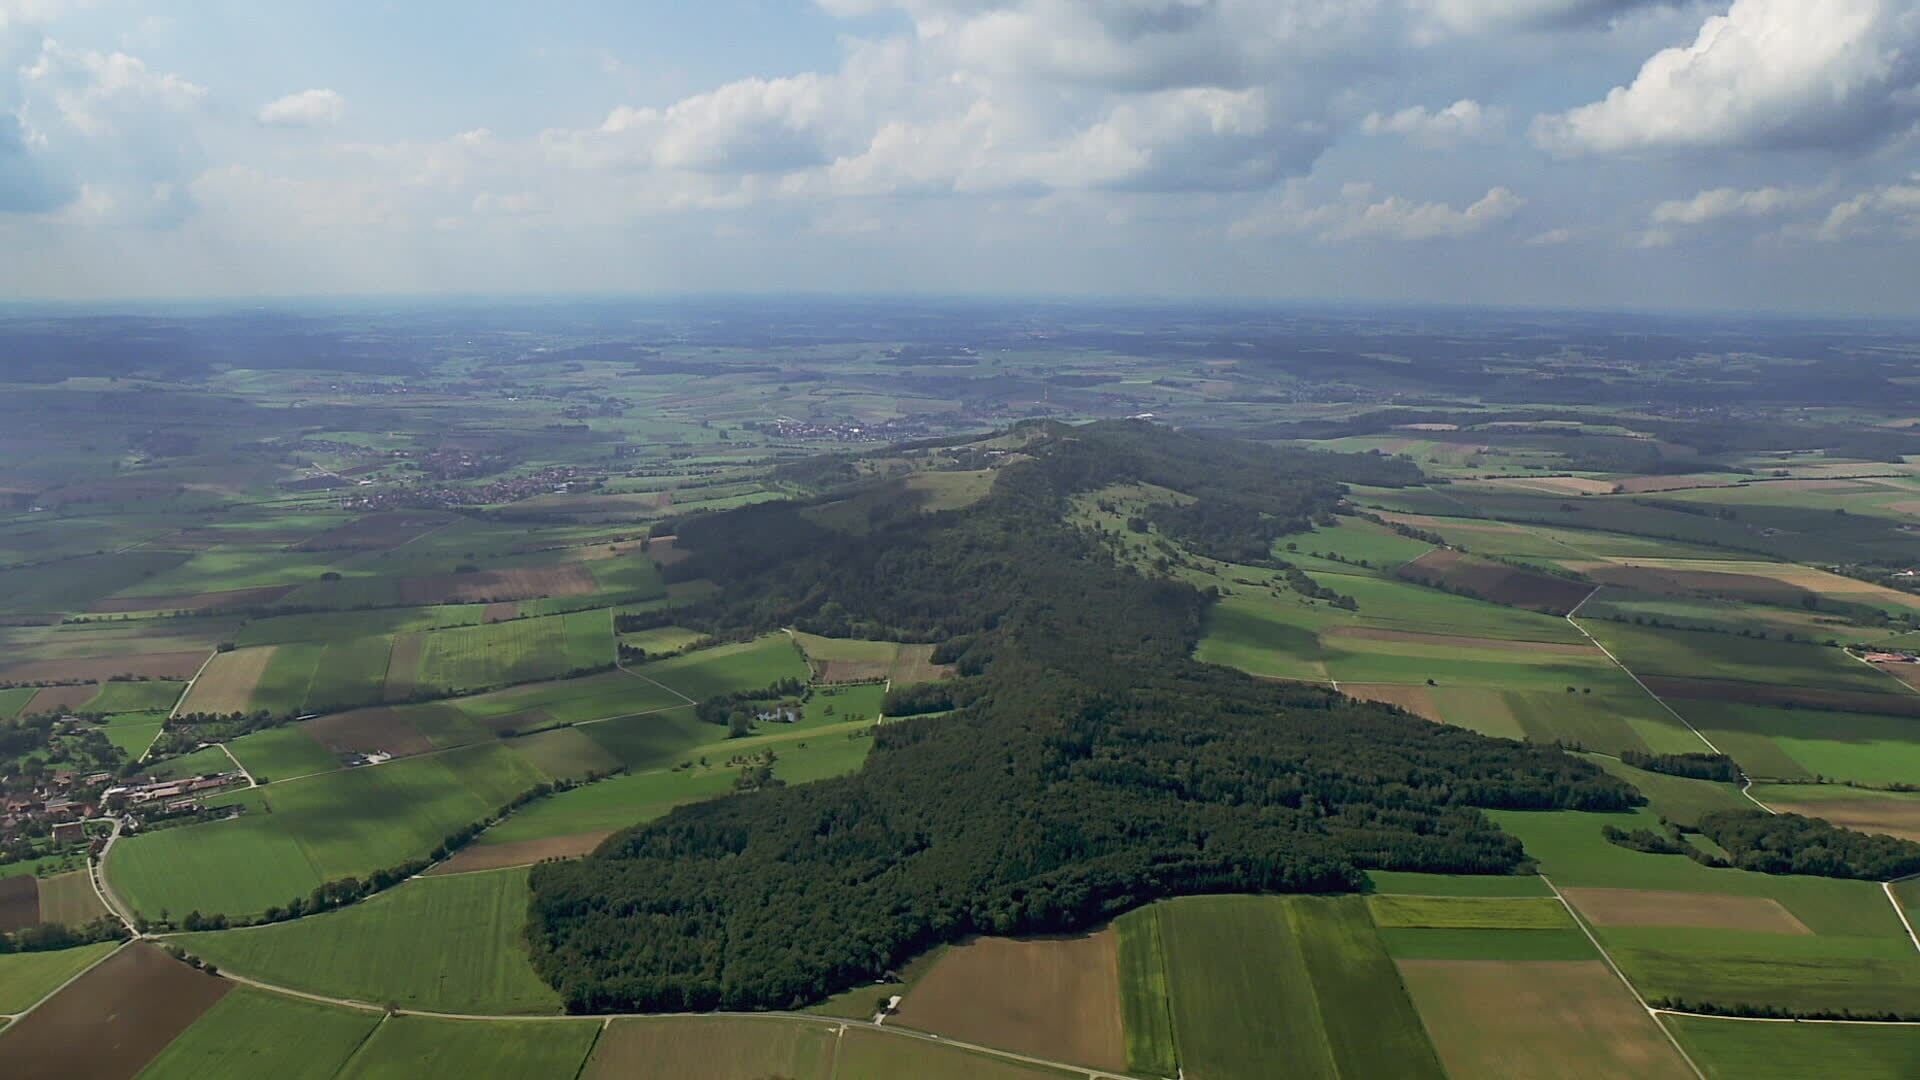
x=1752 y=155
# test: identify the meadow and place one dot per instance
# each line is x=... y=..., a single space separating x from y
x=405 y=1047
x=1734 y=1050
x=27 y=977
x=252 y=1033
x=443 y=943
x=468 y=659
x=298 y=834
x=725 y=669
x=1257 y=981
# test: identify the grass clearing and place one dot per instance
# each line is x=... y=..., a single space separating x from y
x=253 y=1033
x=448 y=944
x=154 y=695
x=473 y=658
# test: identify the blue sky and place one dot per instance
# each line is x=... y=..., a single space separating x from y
x=1744 y=154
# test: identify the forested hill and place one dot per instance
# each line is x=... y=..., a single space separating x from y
x=1096 y=767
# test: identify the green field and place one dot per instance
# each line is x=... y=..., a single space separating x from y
x=662 y=640
x=408 y=1047
x=1801 y=743
x=725 y=669
x=1698 y=655
x=299 y=833
x=198 y=763
x=1402 y=883
x=567 y=701
x=251 y=1033
x=1470 y=913
x=1868 y=976
x=447 y=944
x=1676 y=798
x=1144 y=994
x=282 y=753
x=1412 y=943
x=157 y=695
x=1305 y=985
x=334 y=626
x=13 y=699
x=1738 y=1050
x=473 y=658
x=27 y=977
x=621 y=801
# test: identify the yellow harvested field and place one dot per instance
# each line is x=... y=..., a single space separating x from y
x=1055 y=998
x=226 y=686
x=1892 y=817
x=1707 y=911
x=1544 y=1019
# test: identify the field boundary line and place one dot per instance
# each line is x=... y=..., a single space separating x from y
x=74 y=978
x=174 y=713
x=1652 y=1015
x=645 y=678
x=1887 y=887
x=251 y=782
x=1746 y=782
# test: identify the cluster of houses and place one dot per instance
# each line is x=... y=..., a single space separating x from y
x=63 y=802
x=168 y=796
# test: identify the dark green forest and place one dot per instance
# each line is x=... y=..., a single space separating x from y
x=1091 y=766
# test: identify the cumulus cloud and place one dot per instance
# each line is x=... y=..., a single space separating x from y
x=1890 y=205
x=101 y=93
x=1463 y=121
x=1768 y=74
x=306 y=109
x=1358 y=214
x=1726 y=202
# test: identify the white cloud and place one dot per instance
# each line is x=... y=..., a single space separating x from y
x=1551 y=238
x=107 y=93
x=306 y=109
x=1767 y=74
x=1463 y=121
x=1357 y=214
x=1894 y=206
x=1719 y=203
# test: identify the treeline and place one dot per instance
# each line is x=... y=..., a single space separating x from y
x=1792 y=844
x=1091 y=767
x=46 y=937
x=1692 y=766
